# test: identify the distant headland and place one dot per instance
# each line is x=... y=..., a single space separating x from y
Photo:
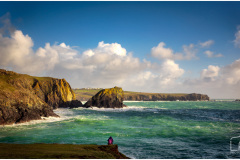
x=84 y=94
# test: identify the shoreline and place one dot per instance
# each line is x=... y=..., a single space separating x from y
x=59 y=151
x=61 y=117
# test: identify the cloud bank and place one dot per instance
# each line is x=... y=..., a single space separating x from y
x=109 y=64
x=106 y=65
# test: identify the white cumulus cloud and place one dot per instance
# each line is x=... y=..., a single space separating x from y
x=113 y=48
x=211 y=54
x=237 y=37
x=170 y=71
x=190 y=51
x=15 y=50
x=157 y=78
x=206 y=44
x=210 y=73
x=160 y=52
x=231 y=73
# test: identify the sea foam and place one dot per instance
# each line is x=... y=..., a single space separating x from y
x=62 y=112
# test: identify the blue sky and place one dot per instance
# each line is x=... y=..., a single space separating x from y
x=137 y=27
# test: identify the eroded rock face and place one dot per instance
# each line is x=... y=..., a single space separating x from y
x=56 y=93
x=107 y=98
x=24 y=98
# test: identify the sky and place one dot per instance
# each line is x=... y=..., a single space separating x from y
x=158 y=46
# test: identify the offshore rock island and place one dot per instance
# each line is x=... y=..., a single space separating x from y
x=107 y=98
x=24 y=98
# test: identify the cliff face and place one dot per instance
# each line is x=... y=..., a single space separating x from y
x=107 y=98
x=55 y=92
x=24 y=98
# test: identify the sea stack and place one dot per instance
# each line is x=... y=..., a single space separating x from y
x=24 y=98
x=107 y=98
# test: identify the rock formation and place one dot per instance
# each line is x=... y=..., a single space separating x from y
x=107 y=98
x=55 y=92
x=24 y=98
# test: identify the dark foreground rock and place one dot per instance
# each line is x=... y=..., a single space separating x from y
x=107 y=98
x=24 y=98
x=59 y=151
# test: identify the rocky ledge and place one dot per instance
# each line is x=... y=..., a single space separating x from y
x=59 y=151
x=24 y=98
x=107 y=98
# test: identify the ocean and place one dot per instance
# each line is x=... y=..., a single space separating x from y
x=143 y=130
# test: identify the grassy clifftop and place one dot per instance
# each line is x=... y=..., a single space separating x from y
x=59 y=151
x=85 y=94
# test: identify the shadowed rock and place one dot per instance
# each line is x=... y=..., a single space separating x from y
x=59 y=151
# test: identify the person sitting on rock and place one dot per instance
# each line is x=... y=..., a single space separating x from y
x=110 y=140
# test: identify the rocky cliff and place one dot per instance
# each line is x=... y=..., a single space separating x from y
x=24 y=98
x=55 y=92
x=107 y=98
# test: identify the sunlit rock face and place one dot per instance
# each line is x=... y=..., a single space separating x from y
x=107 y=98
x=24 y=98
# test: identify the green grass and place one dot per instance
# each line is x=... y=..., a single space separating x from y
x=44 y=78
x=3 y=82
x=59 y=151
x=87 y=91
x=5 y=78
x=85 y=94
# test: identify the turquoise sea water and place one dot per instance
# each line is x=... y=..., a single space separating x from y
x=142 y=130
